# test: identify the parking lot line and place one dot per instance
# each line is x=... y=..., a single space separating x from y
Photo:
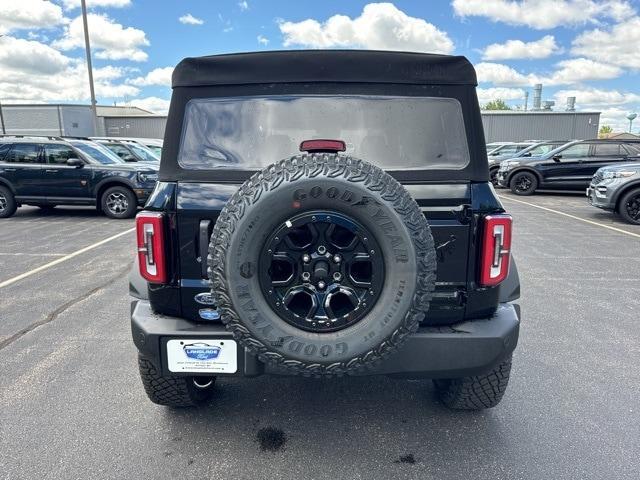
x=609 y=227
x=53 y=263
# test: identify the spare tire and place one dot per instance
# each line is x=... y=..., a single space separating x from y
x=322 y=264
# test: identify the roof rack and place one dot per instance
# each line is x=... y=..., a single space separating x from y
x=49 y=137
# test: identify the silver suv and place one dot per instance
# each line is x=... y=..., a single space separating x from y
x=617 y=188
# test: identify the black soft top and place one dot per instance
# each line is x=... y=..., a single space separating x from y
x=333 y=66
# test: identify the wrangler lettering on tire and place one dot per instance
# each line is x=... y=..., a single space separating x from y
x=345 y=264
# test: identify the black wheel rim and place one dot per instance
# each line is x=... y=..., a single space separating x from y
x=633 y=207
x=321 y=271
x=523 y=183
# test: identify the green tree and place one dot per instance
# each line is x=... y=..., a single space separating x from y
x=497 y=104
x=604 y=130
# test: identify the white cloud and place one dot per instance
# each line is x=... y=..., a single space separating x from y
x=22 y=14
x=568 y=72
x=262 y=40
x=152 y=104
x=71 y=4
x=109 y=39
x=379 y=26
x=35 y=72
x=511 y=49
x=593 y=97
x=189 y=19
x=578 y=70
x=244 y=5
x=487 y=94
x=618 y=45
x=503 y=75
x=544 y=14
x=29 y=57
x=616 y=118
x=157 y=76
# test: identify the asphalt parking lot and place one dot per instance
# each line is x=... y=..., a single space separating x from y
x=73 y=406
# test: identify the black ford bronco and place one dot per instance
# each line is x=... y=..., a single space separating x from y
x=325 y=213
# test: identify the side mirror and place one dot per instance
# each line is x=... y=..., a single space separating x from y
x=75 y=162
x=556 y=158
x=528 y=154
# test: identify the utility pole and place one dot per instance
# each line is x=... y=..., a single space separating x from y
x=87 y=46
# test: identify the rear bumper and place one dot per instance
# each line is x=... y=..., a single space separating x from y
x=464 y=349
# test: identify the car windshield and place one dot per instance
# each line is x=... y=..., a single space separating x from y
x=97 y=152
x=144 y=153
x=392 y=132
x=155 y=149
x=537 y=150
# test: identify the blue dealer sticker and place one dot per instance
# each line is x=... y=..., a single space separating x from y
x=201 y=351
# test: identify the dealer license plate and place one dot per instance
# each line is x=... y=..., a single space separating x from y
x=202 y=356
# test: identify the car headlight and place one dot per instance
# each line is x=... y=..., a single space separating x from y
x=144 y=177
x=619 y=174
x=510 y=163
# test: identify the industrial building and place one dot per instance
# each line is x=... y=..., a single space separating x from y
x=124 y=121
x=517 y=125
x=77 y=121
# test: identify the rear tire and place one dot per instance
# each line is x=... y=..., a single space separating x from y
x=118 y=202
x=629 y=207
x=523 y=183
x=174 y=391
x=478 y=392
x=8 y=205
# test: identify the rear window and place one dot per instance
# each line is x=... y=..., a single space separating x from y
x=395 y=133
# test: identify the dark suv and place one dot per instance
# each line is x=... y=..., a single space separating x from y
x=319 y=215
x=48 y=171
x=569 y=167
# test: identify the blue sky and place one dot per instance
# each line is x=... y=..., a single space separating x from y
x=586 y=48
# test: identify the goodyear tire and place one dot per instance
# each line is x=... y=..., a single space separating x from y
x=381 y=221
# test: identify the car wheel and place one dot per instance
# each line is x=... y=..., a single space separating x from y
x=322 y=265
x=8 y=204
x=478 y=392
x=174 y=391
x=629 y=206
x=118 y=202
x=523 y=183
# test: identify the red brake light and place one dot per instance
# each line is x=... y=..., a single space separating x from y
x=151 y=252
x=323 y=146
x=496 y=250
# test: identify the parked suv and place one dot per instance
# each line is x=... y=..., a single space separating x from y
x=569 y=167
x=130 y=151
x=531 y=150
x=317 y=215
x=617 y=188
x=46 y=171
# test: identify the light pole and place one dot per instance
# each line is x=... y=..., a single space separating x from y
x=87 y=47
x=631 y=117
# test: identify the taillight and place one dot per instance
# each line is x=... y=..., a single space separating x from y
x=496 y=248
x=151 y=252
x=323 y=146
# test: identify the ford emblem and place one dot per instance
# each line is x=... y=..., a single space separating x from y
x=204 y=298
x=209 y=314
x=201 y=351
